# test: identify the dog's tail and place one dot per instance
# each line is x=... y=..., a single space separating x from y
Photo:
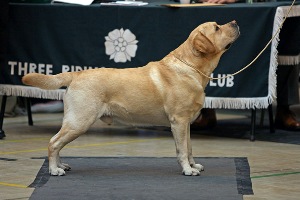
x=49 y=82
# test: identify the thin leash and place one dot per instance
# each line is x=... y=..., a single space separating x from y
x=258 y=55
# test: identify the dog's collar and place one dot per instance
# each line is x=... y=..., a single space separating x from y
x=193 y=67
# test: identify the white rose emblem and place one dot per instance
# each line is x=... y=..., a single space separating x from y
x=120 y=45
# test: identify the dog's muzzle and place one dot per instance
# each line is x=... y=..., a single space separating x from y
x=235 y=26
x=236 y=32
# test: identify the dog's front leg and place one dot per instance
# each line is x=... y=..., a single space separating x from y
x=180 y=130
x=190 y=154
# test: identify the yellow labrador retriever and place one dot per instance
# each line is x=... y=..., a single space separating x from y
x=169 y=92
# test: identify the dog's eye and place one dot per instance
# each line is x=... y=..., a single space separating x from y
x=217 y=28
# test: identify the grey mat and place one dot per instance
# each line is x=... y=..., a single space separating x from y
x=144 y=178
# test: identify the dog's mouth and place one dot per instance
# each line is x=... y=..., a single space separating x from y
x=228 y=46
x=237 y=34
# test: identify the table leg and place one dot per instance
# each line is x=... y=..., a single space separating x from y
x=271 y=120
x=253 y=118
x=29 y=114
x=3 y=104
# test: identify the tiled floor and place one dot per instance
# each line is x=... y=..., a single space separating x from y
x=275 y=167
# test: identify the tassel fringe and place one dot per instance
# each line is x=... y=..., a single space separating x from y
x=26 y=91
x=295 y=12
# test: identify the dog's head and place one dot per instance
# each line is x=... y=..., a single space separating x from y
x=211 y=38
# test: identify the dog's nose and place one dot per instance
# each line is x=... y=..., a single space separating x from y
x=233 y=23
x=235 y=26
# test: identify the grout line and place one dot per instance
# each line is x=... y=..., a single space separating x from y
x=81 y=146
x=13 y=185
x=274 y=175
x=111 y=143
x=22 y=151
x=22 y=122
x=24 y=140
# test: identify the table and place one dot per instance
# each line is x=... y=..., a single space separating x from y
x=53 y=38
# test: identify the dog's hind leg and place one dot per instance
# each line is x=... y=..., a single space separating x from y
x=70 y=130
x=180 y=130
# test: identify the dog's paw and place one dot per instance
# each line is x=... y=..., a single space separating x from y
x=198 y=166
x=57 y=172
x=191 y=172
x=64 y=166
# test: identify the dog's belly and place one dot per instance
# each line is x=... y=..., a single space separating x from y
x=141 y=122
x=134 y=121
x=116 y=113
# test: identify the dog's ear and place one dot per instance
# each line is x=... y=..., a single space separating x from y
x=202 y=44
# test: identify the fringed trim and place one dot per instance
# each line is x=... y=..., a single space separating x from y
x=295 y=11
x=238 y=103
x=289 y=60
x=26 y=91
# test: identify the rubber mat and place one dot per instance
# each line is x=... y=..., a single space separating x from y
x=144 y=178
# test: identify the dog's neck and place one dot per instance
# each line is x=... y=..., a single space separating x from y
x=202 y=63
